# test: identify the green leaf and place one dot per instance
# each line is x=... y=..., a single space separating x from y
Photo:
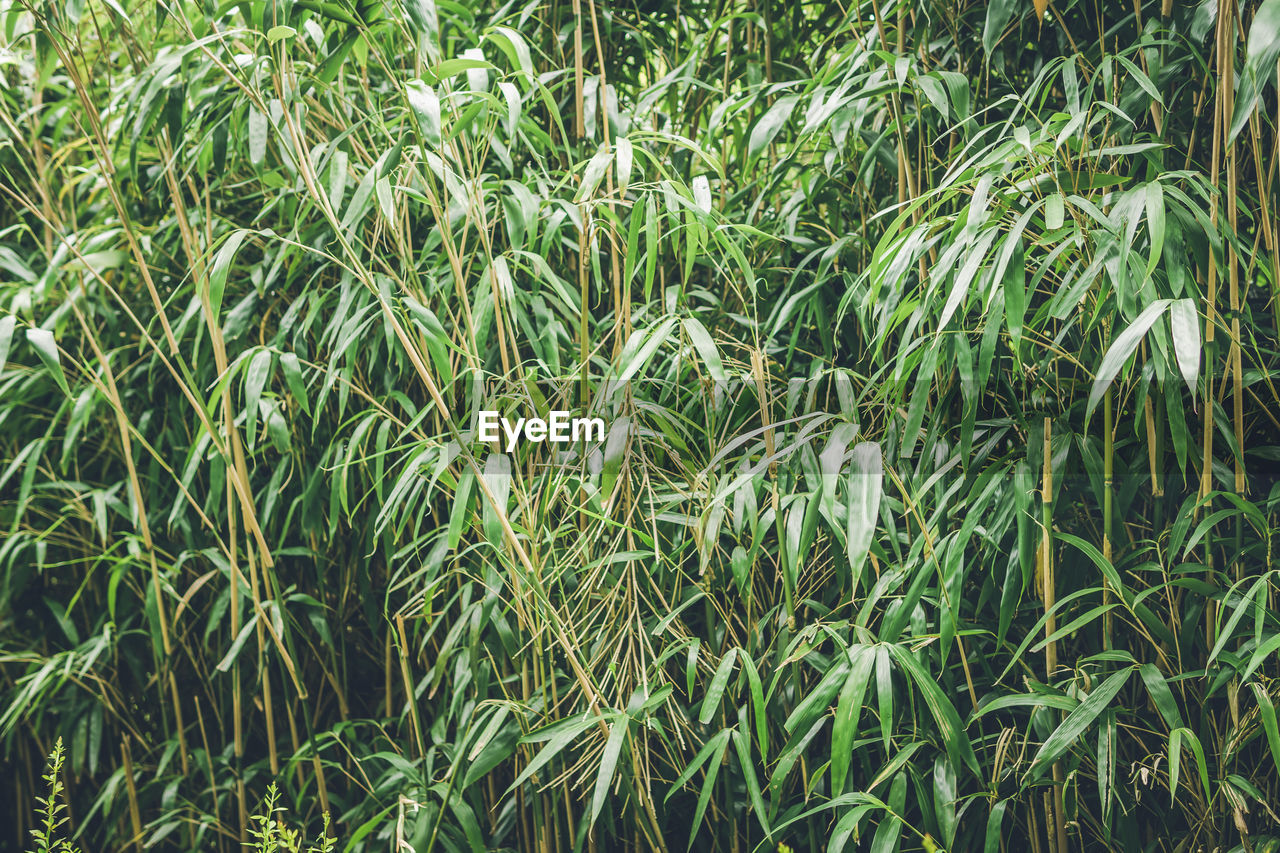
x=626 y=157
x=995 y=821
x=435 y=337
x=1079 y=720
x=651 y=239
x=597 y=166
x=229 y=658
x=757 y=702
x=716 y=690
x=944 y=713
x=1156 y=223
x=338 y=178
x=998 y=14
x=47 y=349
x=1186 y=340
x=888 y=837
x=704 y=795
x=944 y=798
x=515 y=47
x=769 y=125
x=720 y=737
x=255 y=380
x=1106 y=758
x=1176 y=737
x=711 y=754
x=609 y=764
x=1143 y=81
x=275 y=34
x=742 y=745
x=1054 y=212
x=1015 y=293
x=7 y=324
x=615 y=448
x=818 y=699
x=740 y=565
x=1262 y=50
x=257 y=137
x=931 y=88
x=1121 y=348
x=706 y=348
x=848 y=712
x=975 y=254
x=1161 y=695
x=453 y=67
x=426 y=109
x=884 y=694
x=385 y=200
x=864 y=484
x=221 y=267
x=329 y=10
x=796 y=746
x=558 y=736
x=641 y=346
x=1267 y=711
x=293 y=377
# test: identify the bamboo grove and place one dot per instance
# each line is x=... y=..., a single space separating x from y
x=937 y=342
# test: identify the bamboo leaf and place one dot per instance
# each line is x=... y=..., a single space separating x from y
x=293 y=376
x=1161 y=695
x=453 y=67
x=557 y=736
x=944 y=713
x=221 y=269
x=1267 y=712
x=848 y=711
x=626 y=159
x=769 y=124
x=1262 y=51
x=711 y=702
x=1186 y=340
x=864 y=485
x=609 y=764
x=47 y=349
x=426 y=109
x=999 y=13
x=706 y=348
x=1077 y=722
x=7 y=325
x=255 y=380
x=257 y=136
x=1121 y=348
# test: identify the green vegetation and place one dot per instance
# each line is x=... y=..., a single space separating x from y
x=937 y=503
x=52 y=812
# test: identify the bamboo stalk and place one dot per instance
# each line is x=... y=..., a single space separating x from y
x=1046 y=555
x=1059 y=841
x=1108 y=511
x=410 y=694
x=1233 y=267
x=237 y=710
x=579 y=118
x=389 y=699
x=621 y=289
x=135 y=818
x=584 y=314
x=213 y=782
x=1225 y=64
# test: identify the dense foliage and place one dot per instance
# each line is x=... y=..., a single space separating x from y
x=936 y=343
